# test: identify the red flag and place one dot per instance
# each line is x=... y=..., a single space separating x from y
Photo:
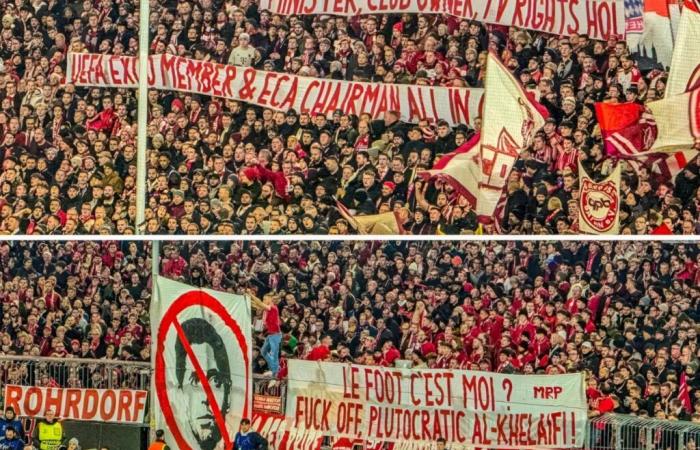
x=621 y=127
x=684 y=393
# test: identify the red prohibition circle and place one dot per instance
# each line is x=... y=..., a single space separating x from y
x=186 y=300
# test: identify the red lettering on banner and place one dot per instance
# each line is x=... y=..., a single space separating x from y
x=72 y=404
x=100 y=73
x=313 y=85
x=105 y=413
x=571 y=29
x=502 y=5
x=139 y=404
x=130 y=75
x=352 y=94
x=291 y=97
x=193 y=71
x=592 y=18
x=113 y=73
x=547 y=392
x=309 y=9
x=350 y=382
x=314 y=412
x=248 y=90
x=12 y=396
x=332 y=104
x=167 y=69
x=207 y=84
x=413 y=109
x=459 y=105
x=151 y=72
x=33 y=408
x=90 y=405
x=436 y=116
x=520 y=8
x=481 y=391
x=372 y=93
x=265 y=92
x=604 y=18
x=123 y=412
x=322 y=99
x=54 y=398
x=230 y=76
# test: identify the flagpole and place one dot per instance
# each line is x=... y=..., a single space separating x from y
x=155 y=271
x=141 y=154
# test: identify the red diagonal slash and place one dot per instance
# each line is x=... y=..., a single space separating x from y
x=215 y=410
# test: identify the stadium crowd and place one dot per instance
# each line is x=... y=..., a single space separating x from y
x=626 y=313
x=222 y=166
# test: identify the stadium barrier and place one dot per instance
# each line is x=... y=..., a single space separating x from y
x=608 y=432
x=74 y=372
x=625 y=432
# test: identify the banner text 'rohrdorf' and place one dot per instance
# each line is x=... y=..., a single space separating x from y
x=600 y=19
x=278 y=91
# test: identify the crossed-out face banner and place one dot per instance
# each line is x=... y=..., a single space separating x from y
x=466 y=408
x=599 y=203
x=278 y=91
x=99 y=405
x=598 y=19
x=202 y=352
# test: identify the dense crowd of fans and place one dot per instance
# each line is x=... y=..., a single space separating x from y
x=626 y=313
x=222 y=166
x=73 y=300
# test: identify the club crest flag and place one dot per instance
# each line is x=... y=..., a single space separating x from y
x=480 y=170
x=599 y=203
x=202 y=351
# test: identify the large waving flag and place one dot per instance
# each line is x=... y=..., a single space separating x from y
x=685 y=70
x=678 y=114
x=678 y=121
x=480 y=169
x=623 y=126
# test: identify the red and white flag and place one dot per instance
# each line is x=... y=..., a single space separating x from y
x=685 y=68
x=684 y=393
x=656 y=40
x=678 y=114
x=627 y=129
x=599 y=203
x=510 y=118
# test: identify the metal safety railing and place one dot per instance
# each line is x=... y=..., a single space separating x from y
x=625 y=432
x=74 y=372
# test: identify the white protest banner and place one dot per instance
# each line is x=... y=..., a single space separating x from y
x=202 y=348
x=599 y=203
x=99 y=405
x=466 y=408
x=278 y=91
x=599 y=19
